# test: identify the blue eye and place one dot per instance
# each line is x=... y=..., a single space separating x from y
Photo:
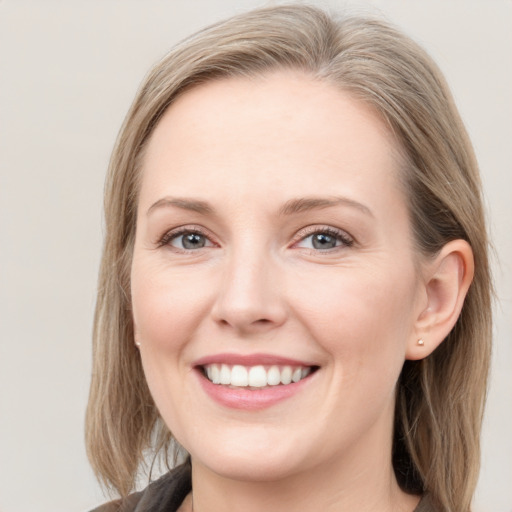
x=324 y=240
x=187 y=240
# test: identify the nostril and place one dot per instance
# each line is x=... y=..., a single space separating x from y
x=255 y=324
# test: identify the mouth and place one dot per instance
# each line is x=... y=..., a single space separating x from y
x=255 y=377
x=253 y=382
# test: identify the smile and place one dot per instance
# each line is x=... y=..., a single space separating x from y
x=257 y=377
x=253 y=382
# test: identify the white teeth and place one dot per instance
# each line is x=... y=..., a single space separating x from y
x=273 y=376
x=286 y=375
x=255 y=376
x=225 y=374
x=215 y=374
x=296 y=375
x=239 y=376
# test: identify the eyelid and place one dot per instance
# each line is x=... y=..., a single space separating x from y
x=168 y=236
x=346 y=239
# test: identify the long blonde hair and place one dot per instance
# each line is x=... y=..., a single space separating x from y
x=439 y=399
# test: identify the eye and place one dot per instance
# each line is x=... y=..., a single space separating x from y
x=324 y=239
x=186 y=240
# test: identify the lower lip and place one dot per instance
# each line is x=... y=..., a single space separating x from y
x=251 y=399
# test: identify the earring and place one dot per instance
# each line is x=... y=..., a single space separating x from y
x=137 y=343
x=421 y=343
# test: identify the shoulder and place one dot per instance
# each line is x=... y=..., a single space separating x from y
x=165 y=494
x=127 y=504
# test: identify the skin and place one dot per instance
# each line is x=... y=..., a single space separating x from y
x=248 y=148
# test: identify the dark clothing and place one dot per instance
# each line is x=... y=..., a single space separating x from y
x=168 y=492
x=163 y=495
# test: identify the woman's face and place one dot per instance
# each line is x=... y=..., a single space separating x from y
x=273 y=245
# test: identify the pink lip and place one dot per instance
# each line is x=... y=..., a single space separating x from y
x=250 y=399
x=250 y=360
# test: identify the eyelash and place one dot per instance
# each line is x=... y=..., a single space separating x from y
x=168 y=237
x=341 y=236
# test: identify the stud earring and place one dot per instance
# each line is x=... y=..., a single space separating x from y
x=137 y=343
x=421 y=343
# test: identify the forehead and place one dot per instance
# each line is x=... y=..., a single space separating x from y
x=285 y=130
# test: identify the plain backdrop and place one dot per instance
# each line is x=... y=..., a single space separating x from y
x=68 y=72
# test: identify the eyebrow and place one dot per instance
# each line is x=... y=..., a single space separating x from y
x=299 y=205
x=195 y=205
x=305 y=204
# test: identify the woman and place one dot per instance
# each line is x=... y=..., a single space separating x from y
x=295 y=285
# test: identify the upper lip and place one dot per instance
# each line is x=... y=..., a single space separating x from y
x=250 y=360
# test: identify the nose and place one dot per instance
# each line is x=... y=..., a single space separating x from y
x=250 y=298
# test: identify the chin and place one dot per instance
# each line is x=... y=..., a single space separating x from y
x=241 y=469
x=250 y=461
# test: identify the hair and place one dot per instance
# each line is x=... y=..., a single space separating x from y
x=440 y=399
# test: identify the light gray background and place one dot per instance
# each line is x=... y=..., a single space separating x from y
x=68 y=72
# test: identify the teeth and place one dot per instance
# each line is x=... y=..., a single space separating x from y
x=214 y=374
x=273 y=376
x=225 y=374
x=286 y=375
x=239 y=376
x=255 y=376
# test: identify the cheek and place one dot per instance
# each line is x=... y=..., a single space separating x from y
x=362 y=319
x=167 y=309
x=167 y=306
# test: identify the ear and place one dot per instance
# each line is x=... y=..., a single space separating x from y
x=446 y=282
